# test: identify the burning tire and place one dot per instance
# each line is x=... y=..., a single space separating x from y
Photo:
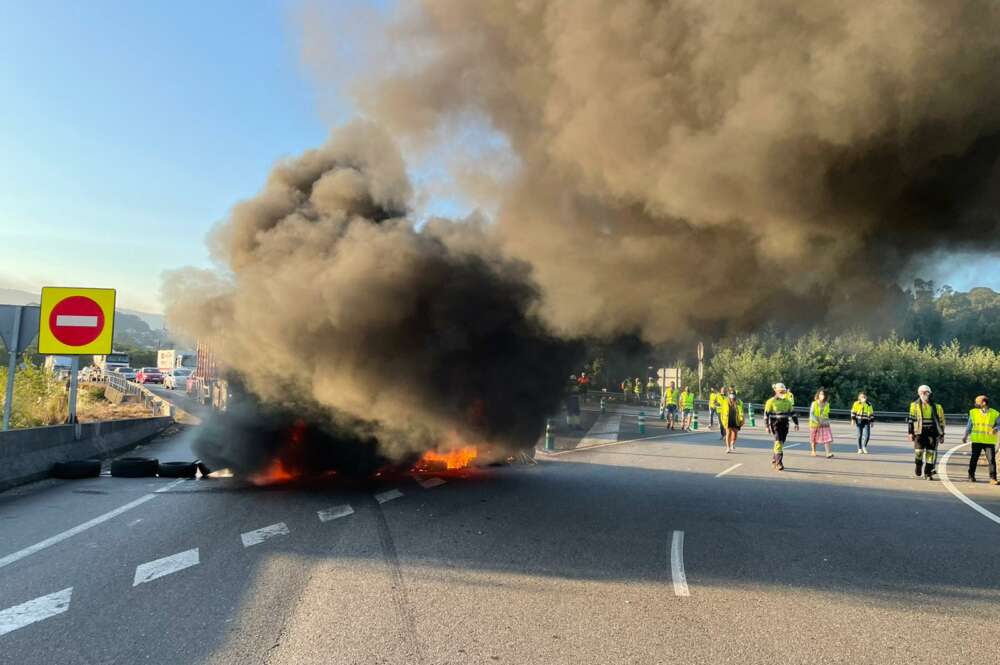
x=134 y=467
x=77 y=469
x=177 y=469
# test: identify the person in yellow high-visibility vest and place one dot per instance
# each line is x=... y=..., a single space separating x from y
x=982 y=429
x=730 y=417
x=668 y=404
x=687 y=408
x=819 y=423
x=712 y=406
x=863 y=417
x=777 y=412
x=637 y=387
x=926 y=429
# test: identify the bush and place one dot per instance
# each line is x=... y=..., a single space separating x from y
x=39 y=398
x=889 y=370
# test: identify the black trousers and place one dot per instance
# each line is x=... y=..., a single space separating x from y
x=991 y=457
x=925 y=450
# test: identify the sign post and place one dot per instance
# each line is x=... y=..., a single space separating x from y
x=11 y=368
x=76 y=322
x=701 y=366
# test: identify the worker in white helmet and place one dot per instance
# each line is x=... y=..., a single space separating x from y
x=926 y=430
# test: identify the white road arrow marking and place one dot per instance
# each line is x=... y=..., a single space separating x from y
x=35 y=610
x=382 y=497
x=147 y=572
x=334 y=512
x=257 y=536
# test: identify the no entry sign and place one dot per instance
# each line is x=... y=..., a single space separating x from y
x=76 y=321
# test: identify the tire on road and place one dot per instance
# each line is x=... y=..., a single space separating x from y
x=178 y=469
x=77 y=469
x=134 y=467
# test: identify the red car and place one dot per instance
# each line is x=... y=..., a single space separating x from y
x=149 y=375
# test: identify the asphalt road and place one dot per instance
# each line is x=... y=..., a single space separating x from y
x=574 y=560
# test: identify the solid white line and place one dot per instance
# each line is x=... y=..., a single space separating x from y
x=792 y=445
x=334 y=512
x=382 y=497
x=954 y=490
x=428 y=483
x=35 y=610
x=257 y=536
x=73 y=321
x=69 y=533
x=732 y=468
x=170 y=486
x=618 y=443
x=677 y=565
x=151 y=570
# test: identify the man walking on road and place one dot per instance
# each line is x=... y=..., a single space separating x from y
x=777 y=412
x=926 y=429
x=712 y=406
x=982 y=428
x=668 y=404
x=687 y=408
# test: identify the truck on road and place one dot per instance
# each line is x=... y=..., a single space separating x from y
x=59 y=365
x=109 y=363
x=173 y=358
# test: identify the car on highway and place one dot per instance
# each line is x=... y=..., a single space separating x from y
x=149 y=375
x=176 y=377
x=127 y=372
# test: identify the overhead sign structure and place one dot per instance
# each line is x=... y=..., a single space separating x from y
x=76 y=321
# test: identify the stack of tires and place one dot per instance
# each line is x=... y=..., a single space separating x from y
x=125 y=467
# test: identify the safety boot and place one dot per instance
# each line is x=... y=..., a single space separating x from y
x=972 y=478
x=920 y=468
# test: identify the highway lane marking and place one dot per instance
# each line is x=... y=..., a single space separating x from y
x=677 y=565
x=334 y=512
x=389 y=495
x=792 y=445
x=69 y=533
x=428 y=483
x=958 y=493
x=170 y=486
x=257 y=536
x=152 y=570
x=732 y=468
x=33 y=611
x=619 y=443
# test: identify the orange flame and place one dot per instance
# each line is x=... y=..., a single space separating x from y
x=275 y=473
x=460 y=458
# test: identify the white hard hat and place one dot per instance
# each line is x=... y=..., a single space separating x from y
x=780 y=387
x=924 y=389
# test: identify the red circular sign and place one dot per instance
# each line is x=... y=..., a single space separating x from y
x=76 y=321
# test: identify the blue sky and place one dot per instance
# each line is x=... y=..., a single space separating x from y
x=127 y=129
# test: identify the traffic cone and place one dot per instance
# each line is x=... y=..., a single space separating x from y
x=663 y=413
x=550 y=439
x=642 y=422
x=694 y=421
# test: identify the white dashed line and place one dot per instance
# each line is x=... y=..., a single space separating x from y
x=34 y=611
x=677 y=565
x=954 y=490
x=170 y=486
x=732 y=468
x=792 y=445
x=69 y=533
x=334 y=512
x=257 y=536
x=428 y=483
x=147 y=572
x=382 y=497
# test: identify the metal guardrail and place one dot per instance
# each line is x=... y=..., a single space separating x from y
x=158 y=405
x=702 y=404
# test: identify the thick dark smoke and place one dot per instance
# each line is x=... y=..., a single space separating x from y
x=336 y=310
x=669 y=167
x=690 y=165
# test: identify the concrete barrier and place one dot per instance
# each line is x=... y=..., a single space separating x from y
x=28 y=454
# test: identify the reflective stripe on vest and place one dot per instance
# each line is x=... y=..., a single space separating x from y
x=819 y=415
